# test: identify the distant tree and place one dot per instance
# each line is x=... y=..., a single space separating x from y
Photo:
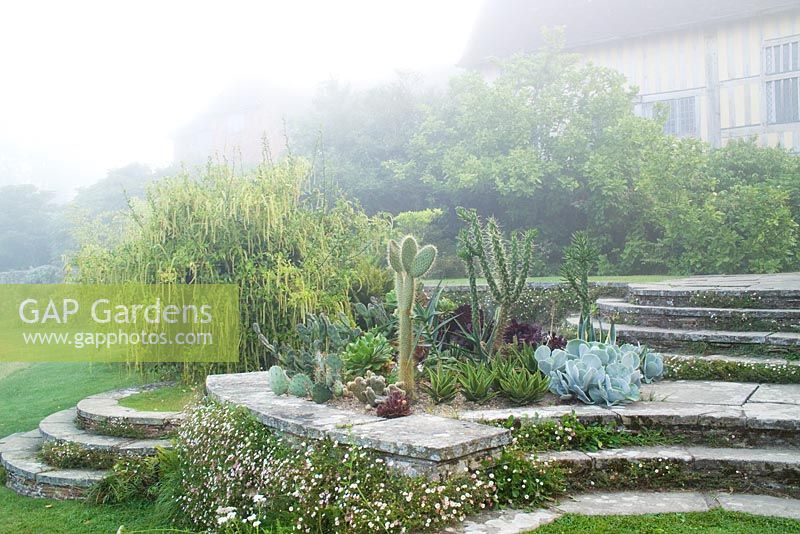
x=111 y=193
x=28 y=229
x=349 y=135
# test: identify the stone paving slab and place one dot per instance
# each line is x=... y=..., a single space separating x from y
x=760 y=505
x=420 y=436
x=622 y=306
x=789 y=282
x=504 y=522
x=603 y=457
x=634 y=503
x=751 y=460
x=20 y=458
x=777 y=394
x=772 y=415
x=699 y=392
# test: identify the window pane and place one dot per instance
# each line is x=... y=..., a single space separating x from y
x=771 y=102
x=795 y=64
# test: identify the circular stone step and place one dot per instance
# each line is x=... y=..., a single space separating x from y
x=102 y=413
x=671 y=337
x=27 y=475
x=686 y=317
x=61 y=428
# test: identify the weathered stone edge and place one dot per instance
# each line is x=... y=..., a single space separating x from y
x=648 y=413
x=24 y=463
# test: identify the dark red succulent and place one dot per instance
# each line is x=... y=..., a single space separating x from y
x=395 y=405
x=523 y=333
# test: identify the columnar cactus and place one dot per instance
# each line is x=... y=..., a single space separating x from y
x=505 y=265
x=409 y=263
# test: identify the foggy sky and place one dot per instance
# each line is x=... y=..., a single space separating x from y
x=88 y=86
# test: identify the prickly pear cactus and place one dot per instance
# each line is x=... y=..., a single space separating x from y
x=278 y=381
x=300 y=385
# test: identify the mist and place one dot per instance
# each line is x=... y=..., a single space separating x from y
x=93 y=86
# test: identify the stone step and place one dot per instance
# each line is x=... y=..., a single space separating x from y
x=60 y=427
x=731 y=413
x=738 y=291
x=738 y=360
x=662 y=338
x=28 y=475
x=102 y=414
x=761 y=469
x=686 y=317
x=624 y=503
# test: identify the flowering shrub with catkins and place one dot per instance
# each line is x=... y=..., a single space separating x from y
x=237 y=476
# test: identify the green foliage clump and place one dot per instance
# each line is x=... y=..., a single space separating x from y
x=290 y=253
x=131 y=478
x=67 y=455
x=730 y=371
x=522 y=387
x=568 y=433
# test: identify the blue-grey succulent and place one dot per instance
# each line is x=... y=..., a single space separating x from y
x=599 y=373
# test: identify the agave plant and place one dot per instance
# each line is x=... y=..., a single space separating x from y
x=599 y=373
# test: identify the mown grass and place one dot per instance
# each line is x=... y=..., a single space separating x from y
x=167 y=399
x=631 y=279
x=714 y=522
x=24 y=515
x=30 y=393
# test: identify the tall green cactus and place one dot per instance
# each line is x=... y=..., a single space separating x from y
x=505 y=265
x=409 y=263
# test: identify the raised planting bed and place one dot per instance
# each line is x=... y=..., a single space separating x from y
x=418 y=444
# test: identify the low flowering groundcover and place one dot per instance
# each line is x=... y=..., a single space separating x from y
x=229 y=473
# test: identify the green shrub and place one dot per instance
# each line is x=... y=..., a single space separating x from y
x=568 y=433
x=730 y=371
x=131 y=478
x=67 y=455
x=291 y=254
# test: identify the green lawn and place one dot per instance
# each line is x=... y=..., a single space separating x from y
x=28 y=393
x=631 y=279
x=714 y=522
x=167 y=399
